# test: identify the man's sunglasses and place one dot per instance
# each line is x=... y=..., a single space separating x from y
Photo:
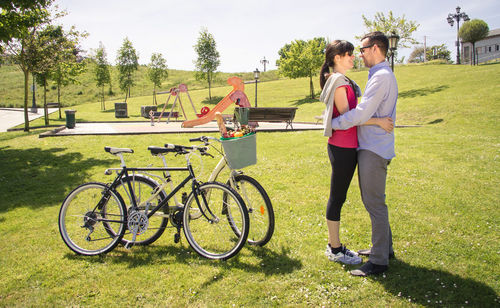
x=362 y=49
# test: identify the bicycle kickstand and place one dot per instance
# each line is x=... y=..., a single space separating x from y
x=130 y=244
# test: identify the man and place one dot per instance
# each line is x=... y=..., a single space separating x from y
x=376 y=148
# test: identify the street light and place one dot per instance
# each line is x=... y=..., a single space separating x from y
x=264 y=61
x=451 y=18
x=34 y=108
x=393 y=45
x=256 y=75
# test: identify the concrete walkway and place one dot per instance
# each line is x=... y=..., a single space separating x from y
x=12 y=117
x=136 y=128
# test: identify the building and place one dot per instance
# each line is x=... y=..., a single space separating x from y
x=487 y=49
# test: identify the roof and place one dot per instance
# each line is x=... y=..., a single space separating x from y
x=494 y=32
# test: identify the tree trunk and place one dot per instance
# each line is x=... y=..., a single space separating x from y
x=311 y=86
x=209 y=86
x=45 y=109
x=103 y=102
x=26 y=93
x=59 y=98
x=154 y=95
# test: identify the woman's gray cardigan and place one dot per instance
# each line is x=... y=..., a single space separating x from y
x=327 y=96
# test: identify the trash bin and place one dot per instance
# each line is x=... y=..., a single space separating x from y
x=241 y=115
x=121 y=110
x=70 y=118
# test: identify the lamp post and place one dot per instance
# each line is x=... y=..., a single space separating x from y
x=451 y=18
x=264 y=61
x=256 y=75
x=34 y=108
x=393 y=45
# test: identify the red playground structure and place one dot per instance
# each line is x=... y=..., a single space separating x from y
x=237 y=95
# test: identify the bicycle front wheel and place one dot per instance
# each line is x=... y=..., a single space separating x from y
x=143 y=188
x=260 y=209
x=205 y=221
x=92 y=219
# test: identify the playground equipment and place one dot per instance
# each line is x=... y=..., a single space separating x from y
x=237 y=95
x=176 y=92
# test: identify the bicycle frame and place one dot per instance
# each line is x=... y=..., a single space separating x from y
x=124 y=172
x=221 y=165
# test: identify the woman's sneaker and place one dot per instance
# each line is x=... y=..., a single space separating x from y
x=344 y=256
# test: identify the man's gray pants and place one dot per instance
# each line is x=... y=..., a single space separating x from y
x=372 y=174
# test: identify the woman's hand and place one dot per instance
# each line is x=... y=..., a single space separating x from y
x=386 y=124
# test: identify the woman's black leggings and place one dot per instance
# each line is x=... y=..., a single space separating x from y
x=343 y=162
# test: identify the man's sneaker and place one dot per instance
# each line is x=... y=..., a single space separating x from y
x=344 y=256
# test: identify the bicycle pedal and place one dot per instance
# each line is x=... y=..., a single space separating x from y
x=177 y=238
x=129 y=245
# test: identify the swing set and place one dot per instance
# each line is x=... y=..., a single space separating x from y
x=237 y=95
x=176 y=92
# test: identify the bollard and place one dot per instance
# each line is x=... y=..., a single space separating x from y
x=152 y=117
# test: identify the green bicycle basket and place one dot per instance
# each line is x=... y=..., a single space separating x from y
x=241 y=152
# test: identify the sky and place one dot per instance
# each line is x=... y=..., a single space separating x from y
x=248 y=31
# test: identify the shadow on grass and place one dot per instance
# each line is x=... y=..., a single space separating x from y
x=432 y=287
x=270 y=262
x=306 y=100
x=436 y=121
x=214 y=101
x=422 y=91
x=36 y=177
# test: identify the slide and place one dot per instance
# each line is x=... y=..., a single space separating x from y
x=236 y=93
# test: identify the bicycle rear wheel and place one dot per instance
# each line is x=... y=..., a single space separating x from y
x=205 y=224
x=143 y=188
x=260 y=209
x=89 y=229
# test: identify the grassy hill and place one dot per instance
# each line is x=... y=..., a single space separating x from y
x=85 y=91
x=442 y=192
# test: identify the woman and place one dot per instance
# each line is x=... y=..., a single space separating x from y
x=340 y=94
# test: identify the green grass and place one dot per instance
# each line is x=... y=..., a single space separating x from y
x=85 y=90
x=442 y=191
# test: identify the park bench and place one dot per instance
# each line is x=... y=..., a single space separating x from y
x=156 y=115
x=52 y=105
x=271 y=114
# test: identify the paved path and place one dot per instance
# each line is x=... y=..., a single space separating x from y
x=130 y=128
x=12 y=117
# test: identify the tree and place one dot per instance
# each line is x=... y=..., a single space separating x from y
x=17 y=16
x=208 y=58
x=302 y=59
x=157 y=72
x=127 y=62
x=101 y=71
x=473 y=31
x=418 y=54
x=442 y=53
x=399 y=25
x=18 y=35
x=68 y=63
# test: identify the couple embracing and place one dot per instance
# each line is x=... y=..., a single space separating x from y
x=359 y=134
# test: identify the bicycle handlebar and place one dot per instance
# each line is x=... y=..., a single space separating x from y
x=204 y=139
x=178 y=149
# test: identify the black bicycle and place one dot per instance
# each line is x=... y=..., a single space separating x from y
x=94 y=218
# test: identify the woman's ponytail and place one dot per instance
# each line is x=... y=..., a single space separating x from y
x=323 y=75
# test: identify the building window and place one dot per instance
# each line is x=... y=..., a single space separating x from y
x=489 y=48
x=498 y=47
